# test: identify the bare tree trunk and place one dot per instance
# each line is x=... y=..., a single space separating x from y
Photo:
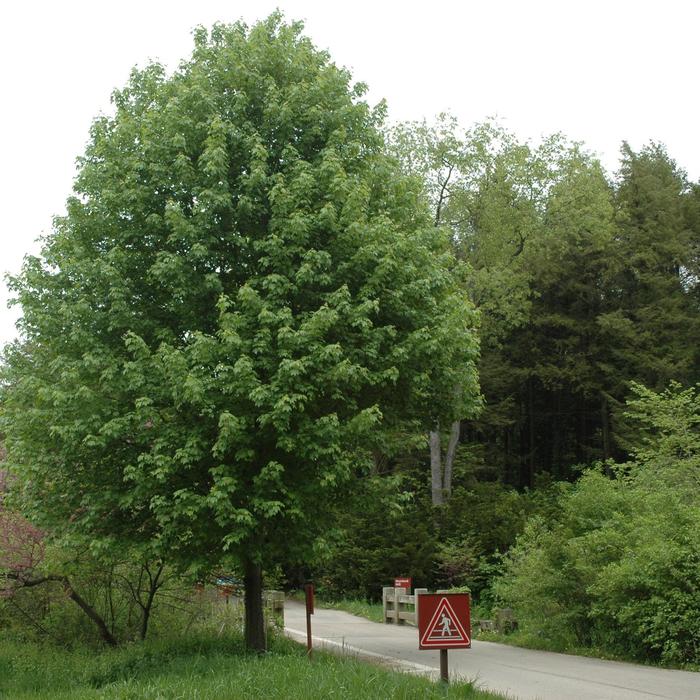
x=154 y=584
x=450 y=458
x=254 y=619
x=436 y=467
x=105 y=634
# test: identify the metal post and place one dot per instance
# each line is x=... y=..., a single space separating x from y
x=444 y=673
x=309 y=591
x=308 y=634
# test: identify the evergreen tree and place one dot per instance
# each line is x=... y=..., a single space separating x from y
x=652 y=321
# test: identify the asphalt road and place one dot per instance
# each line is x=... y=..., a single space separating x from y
x=519 y=673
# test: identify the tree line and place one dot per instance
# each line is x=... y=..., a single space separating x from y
x=585 y=282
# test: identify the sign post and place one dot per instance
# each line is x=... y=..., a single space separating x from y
x=309 y=594
x=444 y=623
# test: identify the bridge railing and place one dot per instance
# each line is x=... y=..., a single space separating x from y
x=399 y=607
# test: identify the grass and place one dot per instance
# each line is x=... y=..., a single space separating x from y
x=528 y=640
x=362 y=608
x=203 y=667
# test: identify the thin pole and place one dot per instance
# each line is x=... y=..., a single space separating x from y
x=309 y=595
x=444 y=673
x=308 y=634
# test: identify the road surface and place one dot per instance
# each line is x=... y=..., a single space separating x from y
x=519 y=673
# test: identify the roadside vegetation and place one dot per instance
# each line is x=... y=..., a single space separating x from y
x=204 y=666
x=370 y=610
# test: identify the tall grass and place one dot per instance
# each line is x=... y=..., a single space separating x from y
x=204 y=666
x=362 y=608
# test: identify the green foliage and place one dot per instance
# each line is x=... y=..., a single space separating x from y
x=584 y=284
x=490 y=512
x=667 y=445
x=392 y=530
x=458 y=563
x=245 y=301
x=385 y=533
x=619 y=567
x=117 y=591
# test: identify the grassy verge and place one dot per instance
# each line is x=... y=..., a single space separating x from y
x=361 y=608
x=203 y=667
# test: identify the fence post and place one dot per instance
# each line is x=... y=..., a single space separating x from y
x=278 y=608
x=397 y=605
x=385 y=602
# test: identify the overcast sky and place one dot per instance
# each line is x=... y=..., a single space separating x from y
x=598 y=71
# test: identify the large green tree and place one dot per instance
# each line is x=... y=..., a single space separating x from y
x=243 y=306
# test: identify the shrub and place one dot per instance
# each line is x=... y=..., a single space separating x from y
x=619 y=566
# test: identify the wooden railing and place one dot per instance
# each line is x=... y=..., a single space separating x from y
x=273 y=602
x=399 y=607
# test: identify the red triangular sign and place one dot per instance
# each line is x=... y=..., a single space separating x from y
x=444 y=628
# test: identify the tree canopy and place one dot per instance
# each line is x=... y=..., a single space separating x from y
x=585 y=283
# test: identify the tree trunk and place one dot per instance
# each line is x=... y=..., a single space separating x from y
x=146 y=608
x=605 y=425
x=254 y=619
x=450 y=458
x=436 y=467
x=106 y=635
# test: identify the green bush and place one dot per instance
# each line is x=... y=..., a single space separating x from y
x=619 y=566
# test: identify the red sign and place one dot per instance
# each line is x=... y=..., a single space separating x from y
x=444 y=621
x=403 y=583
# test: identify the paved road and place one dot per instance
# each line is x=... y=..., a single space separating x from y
x=519 y=673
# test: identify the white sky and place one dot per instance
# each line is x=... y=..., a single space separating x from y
x=598 y=71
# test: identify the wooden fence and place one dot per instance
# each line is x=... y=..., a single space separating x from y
x=399 y=607
x=273 y=602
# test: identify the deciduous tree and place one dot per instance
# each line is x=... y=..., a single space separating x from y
x=244 y=298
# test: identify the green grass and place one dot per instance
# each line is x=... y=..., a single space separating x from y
x=362 y=608
x=203 y=667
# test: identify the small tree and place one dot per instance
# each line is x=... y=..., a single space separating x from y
x=244 y=298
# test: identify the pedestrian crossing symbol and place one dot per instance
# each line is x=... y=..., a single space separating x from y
x=444 y=629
